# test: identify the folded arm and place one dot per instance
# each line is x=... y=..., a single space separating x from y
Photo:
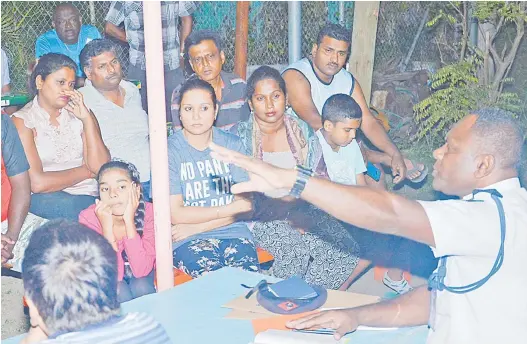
x=180 y=214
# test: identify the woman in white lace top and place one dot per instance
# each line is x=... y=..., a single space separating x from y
x=62 y=141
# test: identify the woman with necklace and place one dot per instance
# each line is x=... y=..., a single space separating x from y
x=208 y=230
x=304 y=240
x=62 y=141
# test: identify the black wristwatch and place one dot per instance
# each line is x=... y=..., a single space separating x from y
x=301 y=180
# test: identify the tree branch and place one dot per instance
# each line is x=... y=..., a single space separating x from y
x=500 y=24
x=507 y=62
x=455 y=7
x=464 y=40
x=503 y=51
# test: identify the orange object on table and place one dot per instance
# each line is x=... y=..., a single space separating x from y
x=179 y=277
x=263 y=255
x=276 y=322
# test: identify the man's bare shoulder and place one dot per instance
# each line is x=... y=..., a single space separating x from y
x=294 y=76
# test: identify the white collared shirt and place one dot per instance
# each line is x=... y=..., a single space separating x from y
x=469 y=234
x=124 y=130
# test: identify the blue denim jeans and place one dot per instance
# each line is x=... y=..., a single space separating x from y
x=135 y=287
x=60 y=204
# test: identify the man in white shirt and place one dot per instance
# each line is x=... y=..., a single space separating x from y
x=116 y=103
x=482 y=152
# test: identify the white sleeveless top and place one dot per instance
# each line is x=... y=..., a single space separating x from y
x=59 y=148
x=343 y=82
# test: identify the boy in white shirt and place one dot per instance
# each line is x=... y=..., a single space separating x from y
x=341 y=118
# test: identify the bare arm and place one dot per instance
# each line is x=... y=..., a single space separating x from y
x=19 y=204
x=410 y=309
x=299 y=96
x=179 y=214
x=115 y=31
x=42 y=182
x=373 y=130
x=381 y=211
x=6 y=89
x=186 y=28
x=361 y=180
x=96 y=153
x=377 y=157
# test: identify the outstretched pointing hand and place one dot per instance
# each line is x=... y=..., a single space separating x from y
x=263 y=177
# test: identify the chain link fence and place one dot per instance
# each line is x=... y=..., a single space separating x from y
x=399 y=25
x=24 y=21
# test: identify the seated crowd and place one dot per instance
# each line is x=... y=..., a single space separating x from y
x=83 y=155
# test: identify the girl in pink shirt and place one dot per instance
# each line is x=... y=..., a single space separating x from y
x=123 y=217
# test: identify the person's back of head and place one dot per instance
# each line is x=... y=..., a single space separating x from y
x=340 y=107
x=70 y=277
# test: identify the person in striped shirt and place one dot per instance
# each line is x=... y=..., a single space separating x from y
x=204 y=52
x=70 y=284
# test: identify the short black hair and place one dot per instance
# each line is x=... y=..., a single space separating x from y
x=70 y=274
x=263 y=73
x=336 y=31
x=95 y=48
x=339 y=107
x=498 y=132
x=196 y=37
x=48 y=64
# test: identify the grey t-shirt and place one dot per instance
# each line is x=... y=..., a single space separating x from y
x=204 y=181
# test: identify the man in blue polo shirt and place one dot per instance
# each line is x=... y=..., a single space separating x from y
x=68 y=36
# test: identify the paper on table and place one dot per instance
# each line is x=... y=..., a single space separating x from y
x=368 y=328
x=288 y=337
x=275 y=322
x=336 y=299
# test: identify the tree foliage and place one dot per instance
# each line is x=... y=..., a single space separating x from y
x=470 y=83
x=458 y=91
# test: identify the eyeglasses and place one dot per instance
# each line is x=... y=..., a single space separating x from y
x=200 y=59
